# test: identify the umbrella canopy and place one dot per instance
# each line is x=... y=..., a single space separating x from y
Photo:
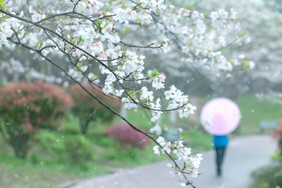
x=220 y=116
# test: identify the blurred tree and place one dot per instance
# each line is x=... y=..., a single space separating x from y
x=274 y=4
x=263 y=21
x=88 y=110
x=26 y=107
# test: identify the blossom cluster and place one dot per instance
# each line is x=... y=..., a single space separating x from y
x=6 y=28
x=178 y=100
x=5 y=32
x=202 y=43
x=143 y=13
x=191 y=163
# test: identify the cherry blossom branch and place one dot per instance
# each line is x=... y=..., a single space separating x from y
x=99 y=45
x=75 y=46
x=139 y=46
x=102 y=103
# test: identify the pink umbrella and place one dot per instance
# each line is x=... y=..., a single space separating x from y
x=220 y=116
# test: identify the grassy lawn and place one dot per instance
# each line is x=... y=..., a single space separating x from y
x=25 y=174
x=254 y=110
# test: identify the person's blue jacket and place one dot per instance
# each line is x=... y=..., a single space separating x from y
x=220 y=141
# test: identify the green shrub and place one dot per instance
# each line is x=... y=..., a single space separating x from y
x=70 y=125
x=25 y=107
x=87 y=109
x=51 y=143
x=268 y=177
x=78 y=149
x=106 y=142
x=278 y=178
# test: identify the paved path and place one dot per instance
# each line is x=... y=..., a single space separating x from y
x=244 y=154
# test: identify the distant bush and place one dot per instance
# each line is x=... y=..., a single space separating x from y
x=278 y=135
x=51 y=143
x=126 y=135
x=66 y=149
x=87 y=109
x=78 y=149
x=268 y=176
x=271 y=176
x=25 y=107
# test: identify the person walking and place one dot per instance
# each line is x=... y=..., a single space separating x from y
x=220 y=143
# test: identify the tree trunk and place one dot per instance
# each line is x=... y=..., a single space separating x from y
x=84 y=127
x=27 y=74
x=20 y=145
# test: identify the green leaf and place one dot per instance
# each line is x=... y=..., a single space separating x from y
x=2 y=5
x=132 y=92
x=98 y=22
x=107 y=9
x=245 y=64
x=72 y=41
x=80 y=39
x=184 y=166
x=138 y=20
x=224 y=48
x=126 y=30
x=106 y=25
x=190 y=6
x=139 y=4
x=155 y=73
x=242 y=33
x=79 y=64
x=123 y=6
x=124 y=55
x=39 y=43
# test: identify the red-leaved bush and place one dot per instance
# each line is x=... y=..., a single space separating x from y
x=25 y=107
x=127 y=136
x=87 y=109
x=278 y=135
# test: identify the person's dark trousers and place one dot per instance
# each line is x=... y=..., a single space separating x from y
x=219 y=159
